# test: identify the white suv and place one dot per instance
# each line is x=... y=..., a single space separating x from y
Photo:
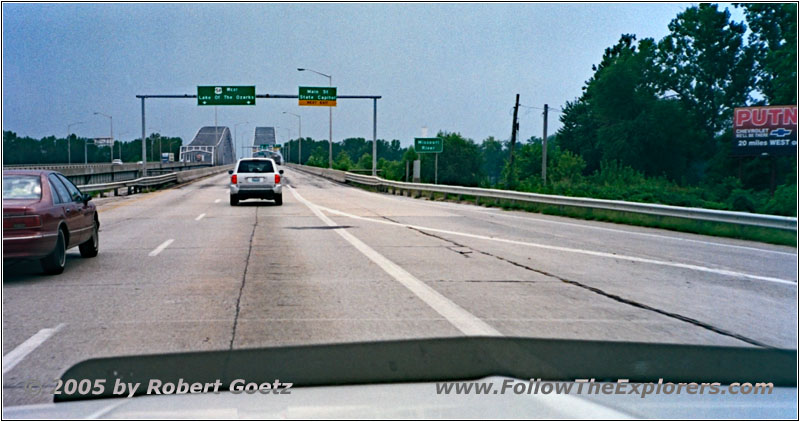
x=256 y=178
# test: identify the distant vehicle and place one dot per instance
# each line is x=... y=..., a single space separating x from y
x=275 y=155
x=116 y=161
x=167 y=157
x=44 y=214
x=256 y=178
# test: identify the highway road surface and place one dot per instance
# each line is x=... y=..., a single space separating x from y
x=182 y=270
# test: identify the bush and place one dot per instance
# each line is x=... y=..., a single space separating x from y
x=365 y=162
x=784 y=202
x=343 y=161
x=741 y=200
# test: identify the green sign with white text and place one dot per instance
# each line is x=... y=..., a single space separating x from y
x=316 y=96
x=435 y=145
x=226 y=95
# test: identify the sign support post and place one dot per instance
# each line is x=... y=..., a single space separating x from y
x=252 y=102
x=431 y=145
x=436 y=169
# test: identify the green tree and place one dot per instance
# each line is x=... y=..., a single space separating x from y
x=773 y=38
x=459 y=163
x=343 y=161
x=494 y=159
x=705 y=63
x=365 y=162
x=319 y=158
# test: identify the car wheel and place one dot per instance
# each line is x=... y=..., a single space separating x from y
x=279 y=199
x=54 y=263
x=90 y=247
x=234 y=200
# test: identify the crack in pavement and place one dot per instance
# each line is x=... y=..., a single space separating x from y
x=244 y=277
x=488 y=281
x=617 y=298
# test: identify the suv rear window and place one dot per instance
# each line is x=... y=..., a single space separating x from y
x=255 y=166
x=22 y=187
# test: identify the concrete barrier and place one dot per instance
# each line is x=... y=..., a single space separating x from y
x=189 y=175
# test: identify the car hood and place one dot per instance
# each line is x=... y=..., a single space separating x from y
x=414 y=401
x=398 y=379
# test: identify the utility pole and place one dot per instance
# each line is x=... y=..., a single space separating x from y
x=514 y=130
x=544 y=148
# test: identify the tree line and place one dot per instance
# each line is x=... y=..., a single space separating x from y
x=52 y=150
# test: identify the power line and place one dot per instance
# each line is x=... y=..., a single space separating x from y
x=541 y=108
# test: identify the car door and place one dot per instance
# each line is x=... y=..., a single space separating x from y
x=84 y=211
x=69 y=213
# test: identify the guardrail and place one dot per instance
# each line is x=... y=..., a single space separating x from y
x=703 y=214
x=98 y=173
x=135 y=185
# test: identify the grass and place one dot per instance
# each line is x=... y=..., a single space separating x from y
x=709 y=228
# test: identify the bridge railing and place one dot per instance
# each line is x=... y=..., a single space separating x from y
x=99 y=173
x=702 y=214
x=158 y=180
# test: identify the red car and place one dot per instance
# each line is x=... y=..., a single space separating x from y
x=44 y=214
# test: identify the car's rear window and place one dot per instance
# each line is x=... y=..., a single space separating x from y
x=255 y=166
x=22 y=187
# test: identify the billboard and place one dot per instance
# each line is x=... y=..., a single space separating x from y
x=767 y=130
x=103 y=142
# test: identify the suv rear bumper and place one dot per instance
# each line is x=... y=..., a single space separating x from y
x=255 y=192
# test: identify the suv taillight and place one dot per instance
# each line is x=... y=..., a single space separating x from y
x=22 y=222
x=277 y=178
x=233 y=179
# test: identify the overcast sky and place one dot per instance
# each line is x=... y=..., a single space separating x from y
x=451 y=67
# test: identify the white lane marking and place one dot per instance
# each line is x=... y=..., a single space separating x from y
x=468 y=208
x=200 y=217
x=161 y=247
x=12 y=358
x=463 y=320
x=217 y=201
x=574 y=250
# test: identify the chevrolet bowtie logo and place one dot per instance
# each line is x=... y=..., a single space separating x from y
x=780 y=132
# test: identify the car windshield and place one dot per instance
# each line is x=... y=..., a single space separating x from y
x=324 y=175
x=255 y=166
x=22 y=187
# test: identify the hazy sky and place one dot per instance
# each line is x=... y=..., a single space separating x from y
x=453 y=67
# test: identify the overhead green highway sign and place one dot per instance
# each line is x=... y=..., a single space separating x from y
x=434 y=145
x=317 y=96
x=226 y=95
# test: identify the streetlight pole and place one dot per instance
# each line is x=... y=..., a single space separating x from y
x=69 y=133
x=152 y=150
x=299 y=136
x=330 y=117
x=288 y=145
x=235 y=136
x=120 y=144
x=111 y=123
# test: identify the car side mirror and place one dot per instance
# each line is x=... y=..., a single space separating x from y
x=230 y=171
x=86 y=198
x=280 y=171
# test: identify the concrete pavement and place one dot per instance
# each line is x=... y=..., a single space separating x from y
x=182 y=270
